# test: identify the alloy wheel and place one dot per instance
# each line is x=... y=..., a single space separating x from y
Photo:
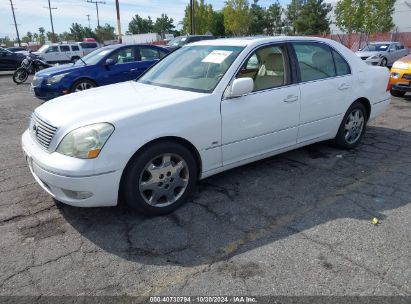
x=164 y=180
x=83 y=86
x=354 y=126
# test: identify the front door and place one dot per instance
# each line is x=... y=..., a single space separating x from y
x=124 y=68
x=266 y=119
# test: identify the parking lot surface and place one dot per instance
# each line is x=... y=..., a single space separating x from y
x=295 y=224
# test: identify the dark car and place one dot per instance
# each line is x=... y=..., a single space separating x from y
x=178 y=42
x=107 y=65
x=16 y=49
x=10 y=61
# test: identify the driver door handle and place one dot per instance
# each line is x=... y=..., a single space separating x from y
x=291 y=98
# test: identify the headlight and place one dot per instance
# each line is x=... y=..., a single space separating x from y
x=400 y=65
x=395 y=75
x=375 y=56
x=86 y=142
x=55 y=79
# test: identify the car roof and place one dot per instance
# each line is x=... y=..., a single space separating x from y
x=383 y=42
x=116 y=46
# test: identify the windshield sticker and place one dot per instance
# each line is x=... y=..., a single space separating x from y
x=217 y=57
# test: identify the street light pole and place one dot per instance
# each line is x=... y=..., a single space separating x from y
x=53 y=39
x=192 y=28
x=15 y=23
x=118 y=21
x=88 y=18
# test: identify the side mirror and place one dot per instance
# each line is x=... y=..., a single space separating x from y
x=241 y=86
x=110 y=62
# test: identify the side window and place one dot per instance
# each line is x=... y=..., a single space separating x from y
x=341 y=65
x=267 y=67
x=392 y=47
x=148 y=53
x=315 y=61
x=124 y=55
x=162 y=54
x=400 y=46
x=64 y=48
x=52 y=49
x=75 y=48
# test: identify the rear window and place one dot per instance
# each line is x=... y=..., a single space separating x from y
x=88 y=45
x=64 y=48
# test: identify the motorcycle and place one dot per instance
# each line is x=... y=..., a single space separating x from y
x=30 y=65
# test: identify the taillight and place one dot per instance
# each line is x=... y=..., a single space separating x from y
x=388 y=85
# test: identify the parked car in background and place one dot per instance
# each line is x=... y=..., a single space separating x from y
x=56 y=52
x=10 y=61
x=17 y=49
x=382 y=53
x=88 y=47
x=107 y=65
x=401 y=77
x=178 y=42
x=205 y=108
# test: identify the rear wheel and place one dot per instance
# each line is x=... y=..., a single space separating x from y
x=82 y=84
x=384 y=62
x=159 y=179
x=396 y=93
x=20 y=75
x=352 y=127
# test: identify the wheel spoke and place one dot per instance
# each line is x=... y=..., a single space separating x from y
x=148 y=185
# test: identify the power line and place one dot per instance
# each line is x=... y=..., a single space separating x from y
x=97 y=3
x=15 y=23
x=53 y=38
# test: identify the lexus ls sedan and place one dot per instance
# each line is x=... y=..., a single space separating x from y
x=207 y=107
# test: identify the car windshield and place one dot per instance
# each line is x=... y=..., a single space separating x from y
x=196 y=68
x=178 y=41
x=94 y=57
x=376 y=47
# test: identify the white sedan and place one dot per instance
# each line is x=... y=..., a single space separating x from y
x=205 y=108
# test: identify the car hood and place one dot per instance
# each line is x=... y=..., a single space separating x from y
x=59 y=69
x=367 y=54
x=110 y=103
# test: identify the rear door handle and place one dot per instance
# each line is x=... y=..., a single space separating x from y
x=291 y=98
x=343 y=87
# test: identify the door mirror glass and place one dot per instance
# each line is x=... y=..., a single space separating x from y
x=241 y=86
x=110 y=61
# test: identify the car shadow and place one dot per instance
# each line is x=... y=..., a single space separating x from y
x=263 y=202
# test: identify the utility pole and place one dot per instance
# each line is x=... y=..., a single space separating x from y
x=15 y=23
x=192 y=29
x=118 y=21
x=88 y=18
x=53 y=38
x=97 y=3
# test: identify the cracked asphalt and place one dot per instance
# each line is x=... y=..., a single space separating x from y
x=294 y=224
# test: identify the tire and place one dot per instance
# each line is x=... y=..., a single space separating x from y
x=352 y=127
x=397 y=93
x=82 y=84
x=384 y=62
x=159 y=179
x=74 y=59
x=20 y=75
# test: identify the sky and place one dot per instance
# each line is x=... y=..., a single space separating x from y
x=32 y=14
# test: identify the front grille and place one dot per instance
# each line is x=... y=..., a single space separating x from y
x=365 y=58
x=406 y=76
x=42 y=131
x=36 y=81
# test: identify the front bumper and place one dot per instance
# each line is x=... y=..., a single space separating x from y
x=46 y=92
x=103 y=187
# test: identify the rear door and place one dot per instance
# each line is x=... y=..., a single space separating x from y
x=65 y=53
x=325 y=81
x=148 y=56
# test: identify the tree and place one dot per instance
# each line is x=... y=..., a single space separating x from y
x=273 y=16
x=139 y=25
x=105 y=32
x=365 y=16
x=42 y=38
x=291 y=15
x=29 y=36
x=236 y=17
x=217 y=27
x=313 y=18
x=258 y=20
x=77 y=32
x=163 y=24
x=204 y=18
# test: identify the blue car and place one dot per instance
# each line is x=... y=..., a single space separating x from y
x=107 y=65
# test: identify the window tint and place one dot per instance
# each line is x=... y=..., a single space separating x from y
x=75 y=48
x=64 y=48
x=52 y=49
x=148 y=53
x=267 y=67
x=124 y=55
x=341 y=65
x=315 y=61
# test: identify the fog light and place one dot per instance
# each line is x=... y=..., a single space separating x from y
x=65 y=91
x=80 y=195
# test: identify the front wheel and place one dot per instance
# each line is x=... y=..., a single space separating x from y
x=352 y=127
x=396 y=93
x=20 y=75
x=82 y=84
x=384 y=62
x=159 y=179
